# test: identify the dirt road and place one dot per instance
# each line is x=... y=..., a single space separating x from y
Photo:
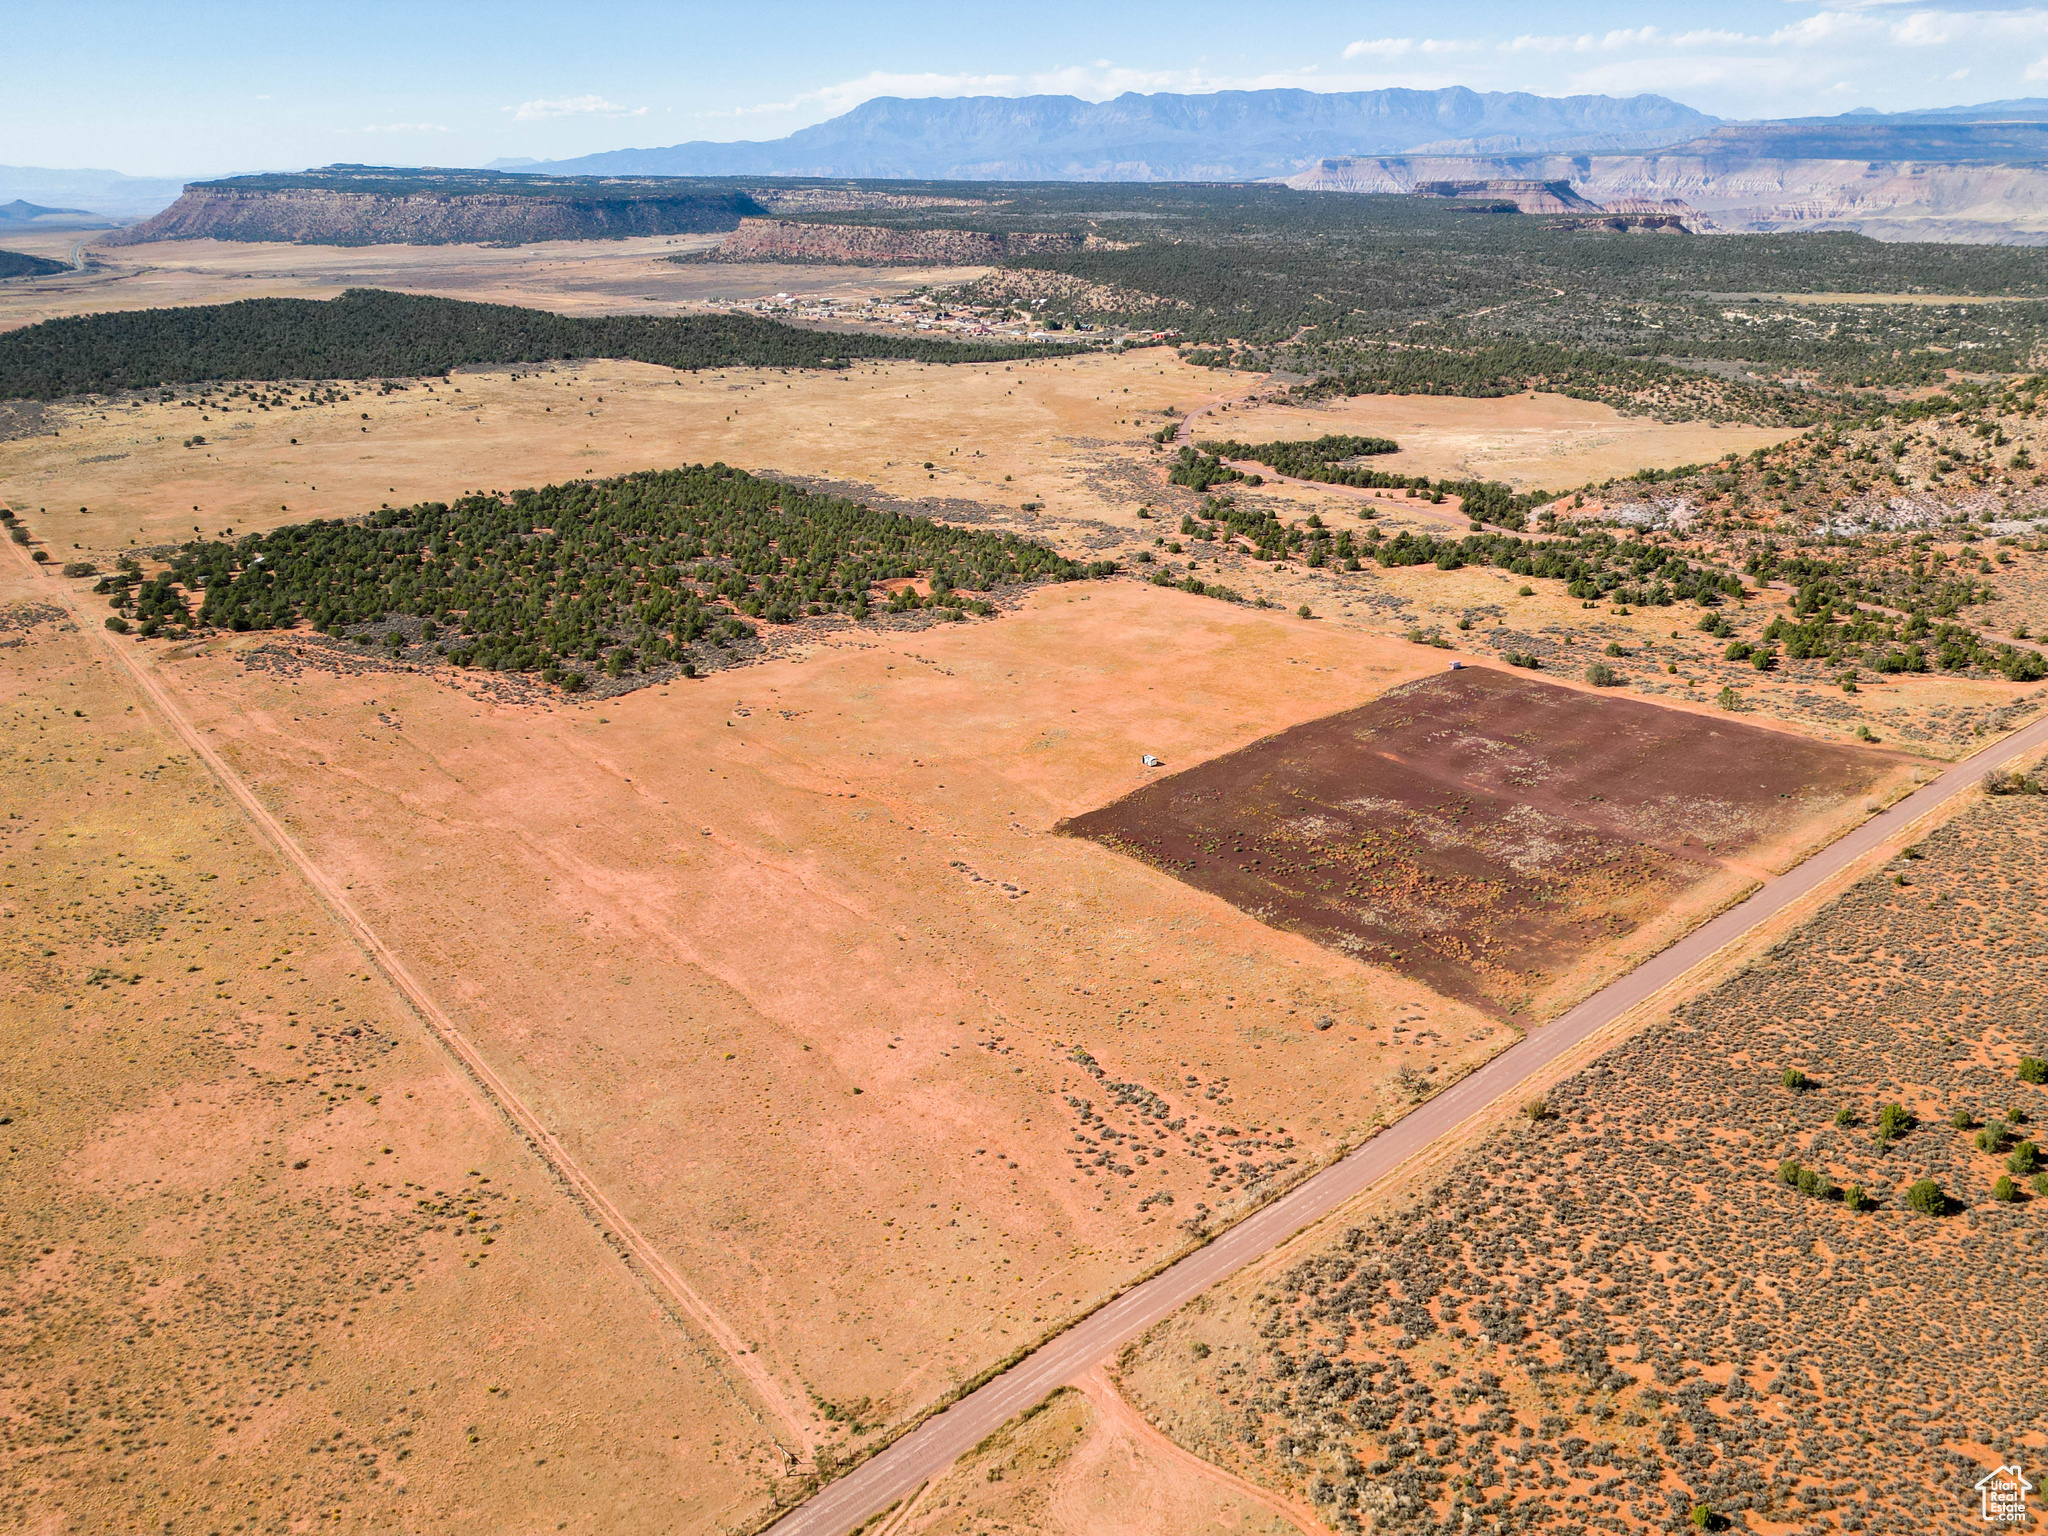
x=940 y=1440
x=661 y=1274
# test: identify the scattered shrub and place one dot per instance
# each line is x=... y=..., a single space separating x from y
x=1796 y=1080
x=1893 y=1121
x=2013 y=781
x=1926 y=1197
x=2004 y=1189
x=2033 y=1070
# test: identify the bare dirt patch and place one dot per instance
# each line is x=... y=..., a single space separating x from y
x=1484 y=833
x=1604 y=1317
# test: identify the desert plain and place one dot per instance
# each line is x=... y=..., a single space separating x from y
x=817 y=1067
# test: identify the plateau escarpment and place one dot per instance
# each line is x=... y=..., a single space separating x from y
x=1729 y=182
x=430 y=209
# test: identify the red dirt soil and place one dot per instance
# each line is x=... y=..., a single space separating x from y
x=1479 y=831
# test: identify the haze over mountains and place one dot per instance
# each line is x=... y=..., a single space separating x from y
x=108 y=194
x=1976 y=173
x=1227 y=135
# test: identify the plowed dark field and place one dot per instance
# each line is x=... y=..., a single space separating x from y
x=1478 y=830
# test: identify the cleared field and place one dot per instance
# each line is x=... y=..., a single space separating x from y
x=1486 y=834
x=791 y=964
x=1549 y=442
x=1620 y=1311
x=571 y=276
x=265 y=1258
x=1052 y=429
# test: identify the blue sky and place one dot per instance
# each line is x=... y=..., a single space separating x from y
x=235 y=85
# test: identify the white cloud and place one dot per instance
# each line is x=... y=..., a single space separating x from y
x=407 y=128
x=2038 y=70
x=1401 y=47
x=571 y=106
x=1379 y=48
x=1708 y=37
x=1533 y=43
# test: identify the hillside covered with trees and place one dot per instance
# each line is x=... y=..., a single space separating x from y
x=20 y=264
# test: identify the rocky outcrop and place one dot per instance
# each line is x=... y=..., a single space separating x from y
x=336 y=216
x=1528 y=196
x=857 y=245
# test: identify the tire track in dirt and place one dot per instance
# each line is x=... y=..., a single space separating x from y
x=585 y=1190
x=1116 y=1411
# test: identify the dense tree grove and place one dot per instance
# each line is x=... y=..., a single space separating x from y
x=1828 y=624
x=368 y=333
x=640 y=571
x=1594 y=566
x=1327 y=459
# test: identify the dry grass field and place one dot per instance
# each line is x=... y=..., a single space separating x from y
x=266 y=1260
x=1071 y=437
x=790 y=962
x=1547 y=442
x=1605 y=1317
x=607 y=277
x=790 y=959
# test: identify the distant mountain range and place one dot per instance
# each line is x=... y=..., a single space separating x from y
x=1224 y=136
x=108 y=194
x=20 y=212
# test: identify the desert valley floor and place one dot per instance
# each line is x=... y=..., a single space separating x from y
x=837 y=1024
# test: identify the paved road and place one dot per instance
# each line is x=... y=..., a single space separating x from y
x=844 y=1504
